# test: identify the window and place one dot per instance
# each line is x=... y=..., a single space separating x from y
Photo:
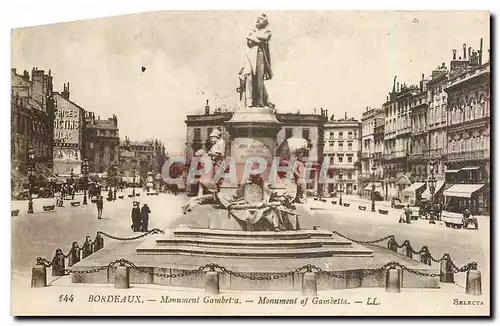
x=341 y=135
x=349 y=175
x=288 y=133
x=341 y=145
x=349 y=135
x=197 y=134
x=331 y=160
x=331 y=135
x=209 y=131
x=349 y=146
x=331 y=143
x=341 y=159
x=349 y=159
x=305 y=134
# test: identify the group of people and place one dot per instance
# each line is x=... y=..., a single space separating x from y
x=140 y=217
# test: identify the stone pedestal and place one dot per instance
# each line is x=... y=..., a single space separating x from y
x=253 y=133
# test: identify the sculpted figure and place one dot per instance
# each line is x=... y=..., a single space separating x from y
x=257 y=66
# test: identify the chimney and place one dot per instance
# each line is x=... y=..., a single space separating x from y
x=454 y=54
x=481 y=51
x=397 y=88
x=326 y=113
x=207 y=108
x=465 y=51
x=50 y=71
x=470 y=51
x=345 y=115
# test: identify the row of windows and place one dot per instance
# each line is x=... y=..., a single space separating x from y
x=197 y=132
x=468 y=145
x=305 y=133
x=340 y=144
x=340 y=159
x=350 y=135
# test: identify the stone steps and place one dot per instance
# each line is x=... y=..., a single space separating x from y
x=254 y=252
x=252 y=243
x=242 y=235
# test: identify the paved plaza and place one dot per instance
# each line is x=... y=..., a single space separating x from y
x=40 y=234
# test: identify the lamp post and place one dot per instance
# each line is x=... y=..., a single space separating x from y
x=373 y=188
x=432 y=188
x=85 y=172
x=133 y=182
x=72 y=183
x=341 y=188
x=31 y=166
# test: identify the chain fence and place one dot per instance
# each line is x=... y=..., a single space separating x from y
x=393 y=245
x=153 y=231
x=216 y=267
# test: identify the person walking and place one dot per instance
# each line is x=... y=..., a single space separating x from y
x=136 y=217
x=145 y=211
x=100 y=205
x=408 y=214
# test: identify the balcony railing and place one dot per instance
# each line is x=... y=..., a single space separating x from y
x=433 y=153
x=471 y=155
x=366 y=155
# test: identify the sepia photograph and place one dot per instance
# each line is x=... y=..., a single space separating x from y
x=252 y=163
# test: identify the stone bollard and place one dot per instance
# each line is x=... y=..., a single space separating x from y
x=122 y=276
x=98 y=242
x=39 y=276
x=309 y=284
x=473 y=281
x=446 y=275
x=393 y=280
x=212 y=282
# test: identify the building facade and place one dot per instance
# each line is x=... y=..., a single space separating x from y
x=307 y=126
x=467 y=157
x=68 y=135
x=32 y=116
x=342 y=150
x=101 y=142
x=370 y=119
x=138 y=158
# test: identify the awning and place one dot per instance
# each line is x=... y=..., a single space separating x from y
x=403 y=180
x=469 y=168
x=451 y=171
x=427 y=194
x=369 y=186
x=414 y=187
x=463 y=190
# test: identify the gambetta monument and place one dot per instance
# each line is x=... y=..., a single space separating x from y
x=249 y=215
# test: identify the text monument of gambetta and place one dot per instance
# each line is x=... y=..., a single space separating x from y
x=248 y=227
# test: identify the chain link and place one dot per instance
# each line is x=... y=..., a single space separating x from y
x=364 y=242
x=153 y=231
x=216 y=267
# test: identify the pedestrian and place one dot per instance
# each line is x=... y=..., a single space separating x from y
x=100 y=205
x=408 y=214
x=136 y=217
x=87 y=247
x=402 y=216
x=145 y=211
x=58 y=264
x=110 y=194
x=74 y=255
x=114 y=193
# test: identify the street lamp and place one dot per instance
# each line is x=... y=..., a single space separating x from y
x=85 y=172
x=341 y=188
x=373 y=188
x=72 y=182
x=133 y=182
x=432 y=188
x=31 y=166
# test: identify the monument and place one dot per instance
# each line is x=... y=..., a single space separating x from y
x=250 y=223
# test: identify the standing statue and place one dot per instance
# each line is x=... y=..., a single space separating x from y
x=257 y=66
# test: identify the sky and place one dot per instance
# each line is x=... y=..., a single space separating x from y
x=336 y=60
